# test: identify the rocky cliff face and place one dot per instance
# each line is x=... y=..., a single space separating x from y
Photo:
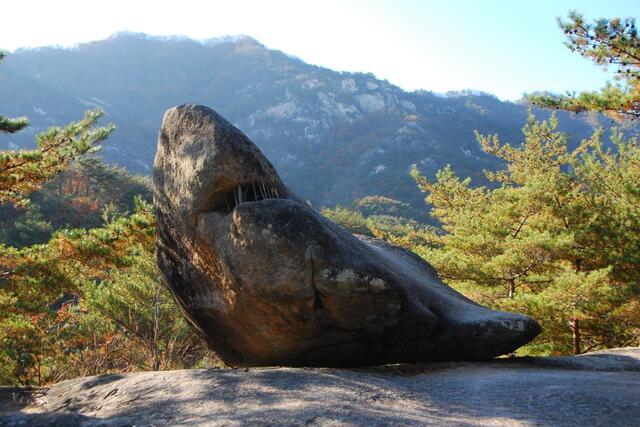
x=334 y=136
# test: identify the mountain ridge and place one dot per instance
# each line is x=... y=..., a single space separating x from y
x=335 y=136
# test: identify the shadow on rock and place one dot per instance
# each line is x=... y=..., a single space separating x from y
x=502 y=392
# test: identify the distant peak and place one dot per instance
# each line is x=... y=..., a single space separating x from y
x=144 y=36
x=468 y=92
x=240 y=38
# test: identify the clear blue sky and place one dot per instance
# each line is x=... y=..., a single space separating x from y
x=505 y=47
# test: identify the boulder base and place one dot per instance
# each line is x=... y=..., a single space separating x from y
x=589 y=390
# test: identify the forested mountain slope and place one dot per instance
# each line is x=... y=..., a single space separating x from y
x=333 y=136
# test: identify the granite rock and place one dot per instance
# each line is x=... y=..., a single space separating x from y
x=266 y=280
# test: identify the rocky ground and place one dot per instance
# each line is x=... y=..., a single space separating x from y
x=594 y=389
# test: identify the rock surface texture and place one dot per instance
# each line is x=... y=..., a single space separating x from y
x=590 y=390
x=267 y=280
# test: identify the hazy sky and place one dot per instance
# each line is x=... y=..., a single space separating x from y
x=506 y=47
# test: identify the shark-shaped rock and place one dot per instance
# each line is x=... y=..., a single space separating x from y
x=267 y=280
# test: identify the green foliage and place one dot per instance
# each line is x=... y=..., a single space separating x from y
x=13 y=125
x=23 y=171
x=606 y=42
x=89 y=302
x=135 y=303
x=26 y=230
x=87 y=194
x=401 y=231
x=380 y=205
x=371 y=216
x=350 y=219
x=557 y=237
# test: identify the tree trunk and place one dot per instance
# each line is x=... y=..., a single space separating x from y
x=156 y=327
x=512 y=288
x=39 y=366
x=575 y=328
x=575 y=323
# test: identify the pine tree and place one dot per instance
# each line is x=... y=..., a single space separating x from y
x=607 y=42
x=24 y=171
x=557 y=237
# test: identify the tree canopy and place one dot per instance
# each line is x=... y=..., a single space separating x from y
x=556 y=237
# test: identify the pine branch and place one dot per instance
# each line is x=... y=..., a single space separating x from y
x=8 y=125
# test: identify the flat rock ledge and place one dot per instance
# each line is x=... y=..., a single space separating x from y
x=600 y=388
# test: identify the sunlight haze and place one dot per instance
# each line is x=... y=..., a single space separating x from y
x=501 y=47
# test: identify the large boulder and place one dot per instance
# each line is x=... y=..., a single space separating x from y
x=267 y=280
